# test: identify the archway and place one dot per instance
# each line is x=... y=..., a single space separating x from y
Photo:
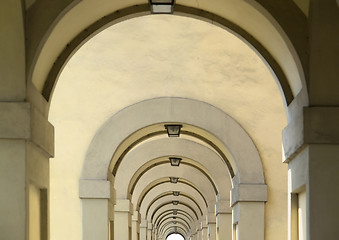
x=196 y=127
x=175 y=236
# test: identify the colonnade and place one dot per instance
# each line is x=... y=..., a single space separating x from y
x=300 y=44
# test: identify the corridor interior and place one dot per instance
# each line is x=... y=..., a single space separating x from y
x=116 y=96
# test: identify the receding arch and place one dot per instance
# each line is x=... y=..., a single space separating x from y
x=181 y=193
x=170 y=213
x=176 y=230
x=169 y=206
x=52 y=71
x=173 y=219
x=231 y=137
x=178 y=198
x=194 y=154
x=164 y=225
x=176 y=234
x=196 y=214
x=161 y=161
x=163 y=181
x=157 y=131
x=195 y=177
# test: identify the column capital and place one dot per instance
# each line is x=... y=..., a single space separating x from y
x=223 y=206
x=210 y=218
x=149 y=226
x=20 y=120
x=136 y=217
x=204 y=225
x=123 y=205
x=198 y=225
x=143 y=223
x=248 y=193
x=313 y=125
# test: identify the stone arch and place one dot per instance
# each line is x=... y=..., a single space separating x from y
x=182 y=196
x=239 y=148
x=201 y=155
x=181 y=199
x=167 y=187
x=181 y=213
x=280 y=56
x=171 y=218
x=249 y=188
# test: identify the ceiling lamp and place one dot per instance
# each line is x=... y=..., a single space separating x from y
x=176 y=193
x=173 y=130
x=174 y=222
x=161 y=6
x=175 y=162
x=175 y=202
x=174 y=179
x=175 y=211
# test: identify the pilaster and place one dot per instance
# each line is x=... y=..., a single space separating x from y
x=123 y=219
x=95 y=196
x=223 y=212
x=136 y=220
x=312 y=160
x=143 y=229
x=248 y=210
x=149 y=231
x=26 y=144
x=212 y=227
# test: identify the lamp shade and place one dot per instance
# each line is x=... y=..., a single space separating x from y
x=176 y=193
x=175 y=161
x=173 y=130
x=174 y=179
x=161 y=6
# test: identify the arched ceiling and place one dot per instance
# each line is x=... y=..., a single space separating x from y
x=163 y=56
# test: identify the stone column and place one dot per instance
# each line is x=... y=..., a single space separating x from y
x=204 y=227
x=123 y=219
x=26 y=144
x=136 y=219
x=311 y=148
x=149 y=231
x=223 y=212
x=212 y=227
x=95 y=195
x=199 y=233
x=143 y=229
x=248 y=213
x=153 y=234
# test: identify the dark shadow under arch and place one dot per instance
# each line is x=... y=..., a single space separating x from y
x=170 y=213
x=166 y=180
x=157 y=163
x=181 y=203
x=164 y=195
x=143 y=9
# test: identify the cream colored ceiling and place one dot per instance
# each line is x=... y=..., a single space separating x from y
x=157 y=56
